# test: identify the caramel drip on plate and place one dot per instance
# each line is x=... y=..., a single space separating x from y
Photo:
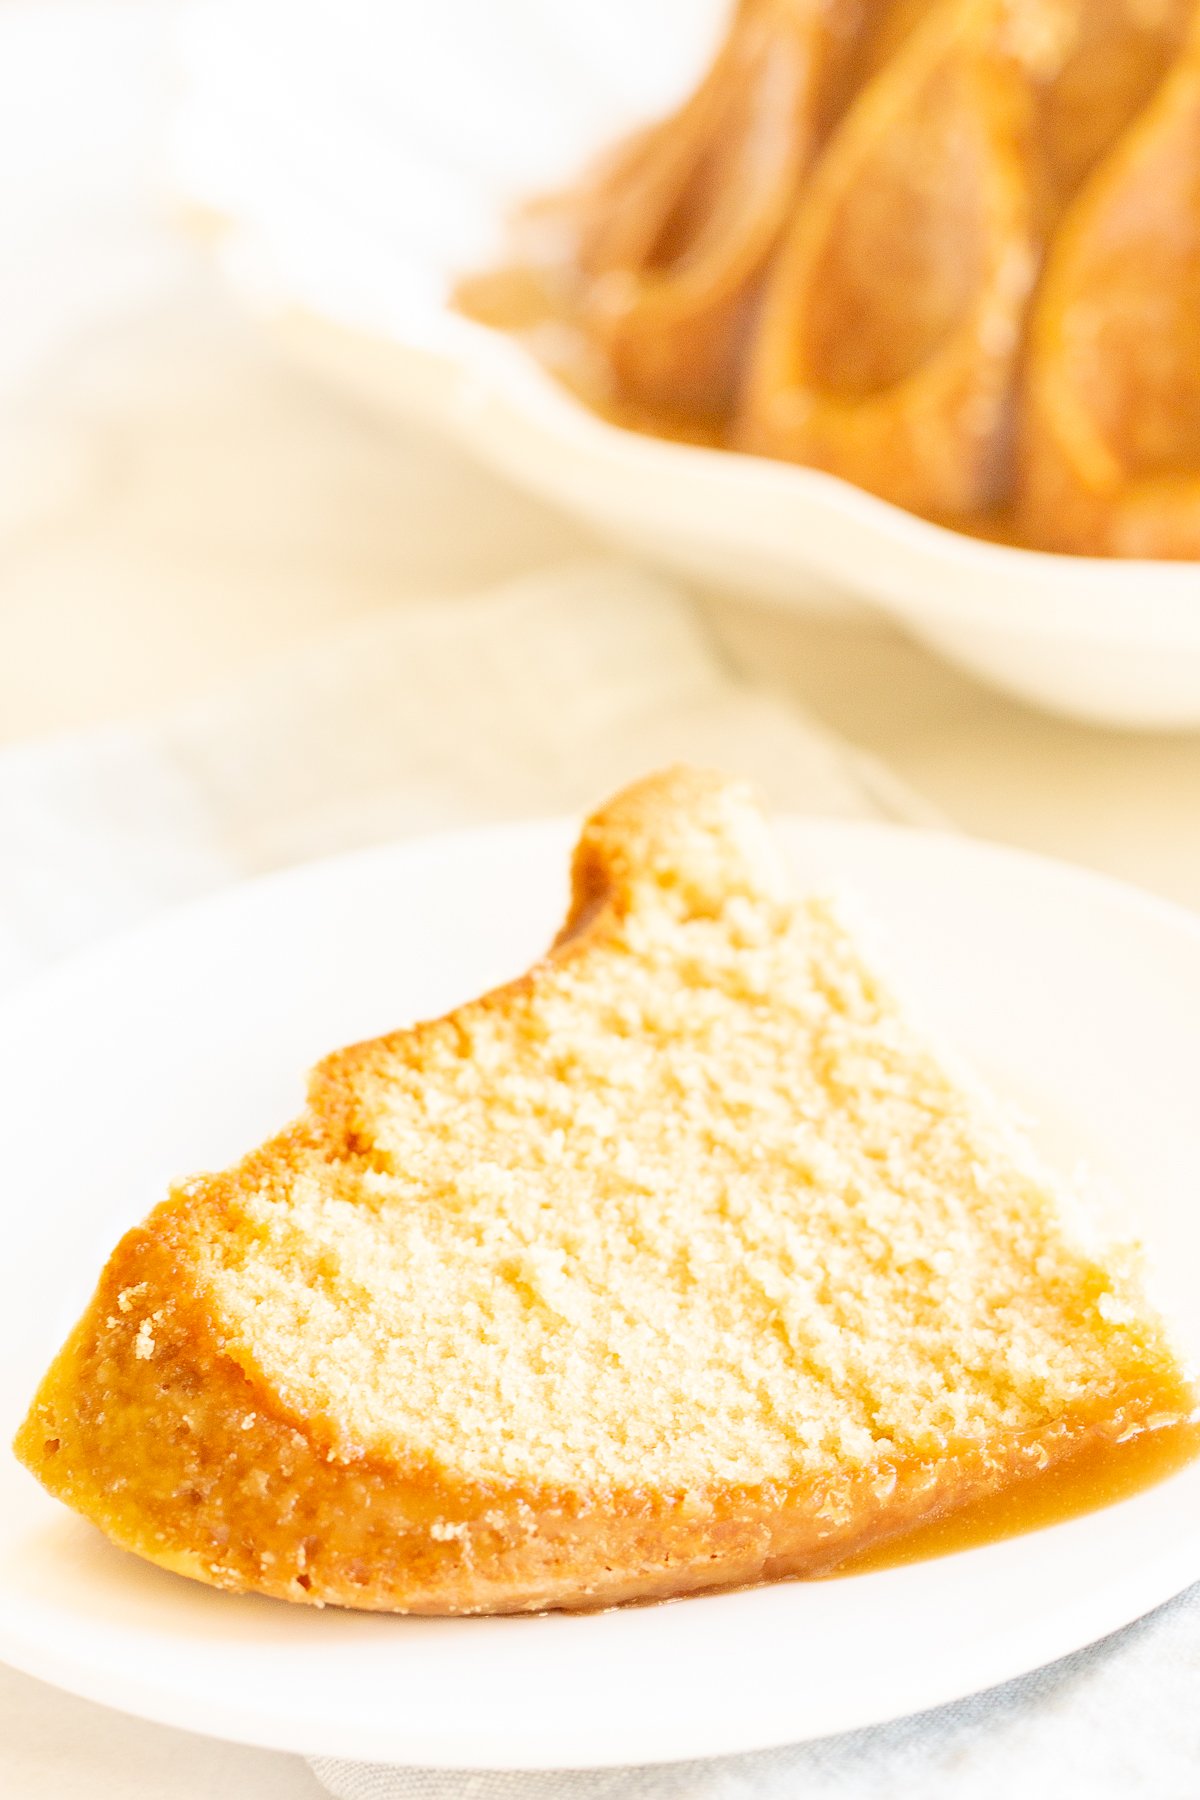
x=1095 y=1477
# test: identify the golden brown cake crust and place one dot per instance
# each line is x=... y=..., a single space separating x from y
x=187 y=1459
x=164 y=1421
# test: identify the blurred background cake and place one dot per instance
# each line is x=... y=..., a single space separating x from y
x=949 y=252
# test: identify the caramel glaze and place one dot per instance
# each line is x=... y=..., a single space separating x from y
x=1094 y=1477
x=527 y=304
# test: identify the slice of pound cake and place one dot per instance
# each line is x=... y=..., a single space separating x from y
x=682 y=1261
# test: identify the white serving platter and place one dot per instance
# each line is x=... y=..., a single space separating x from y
x=360 y=157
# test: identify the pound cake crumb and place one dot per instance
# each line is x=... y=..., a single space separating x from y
x=681 y=1262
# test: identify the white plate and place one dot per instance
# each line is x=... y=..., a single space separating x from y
x=361 y=156
x=177 y=1048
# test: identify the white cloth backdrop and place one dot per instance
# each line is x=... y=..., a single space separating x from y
x=532 y=698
